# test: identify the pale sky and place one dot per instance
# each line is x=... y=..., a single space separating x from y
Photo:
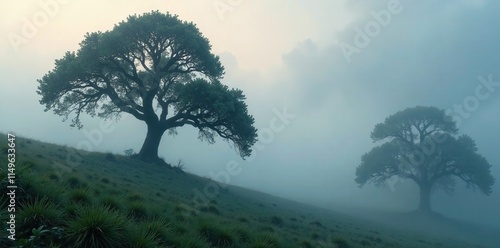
x=287 y=55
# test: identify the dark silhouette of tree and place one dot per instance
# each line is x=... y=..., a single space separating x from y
x=421 y=144
x=160 y=70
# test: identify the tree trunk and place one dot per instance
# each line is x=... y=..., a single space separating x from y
x=149 y=150
x=425 y=198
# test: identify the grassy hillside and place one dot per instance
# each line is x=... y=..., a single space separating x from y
x=69 y=198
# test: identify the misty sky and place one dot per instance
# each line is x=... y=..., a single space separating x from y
x=336 y=68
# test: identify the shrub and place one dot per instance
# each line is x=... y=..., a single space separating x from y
x=243 y=233
x=39 y=212
x=159 y=227
x=140 y=237
x=266 y=240
x=129 y=152
x=42 y=237
x=180 y=166
x=216 y=234
x=96 y=226
x=137 y=210
x=42 y=186
x=29 y=185
x=71 y=210
x=191 y=241
x=112 y=201
x=80 y=195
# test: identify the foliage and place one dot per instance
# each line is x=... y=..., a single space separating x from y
x=191 y=241
x=157 y=68
x=74 y=182
x=159 y=227
x=180 y=166
x=265 y=240
x=129 y=152
x=137 y=210
x=421 y=144
x=111 y=201
x=80 y=196
x=141 y=238
x=42 y=237
x=96 y=226
x=217 y=235
x=37 y=213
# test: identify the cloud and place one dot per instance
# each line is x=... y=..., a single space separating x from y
x=427 y=55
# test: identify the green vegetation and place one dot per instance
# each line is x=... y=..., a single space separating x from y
x=89 y=201
x=176 y=84
x=96 y=226
x=421 y=144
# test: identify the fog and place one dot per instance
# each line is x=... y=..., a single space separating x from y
x=315 y=88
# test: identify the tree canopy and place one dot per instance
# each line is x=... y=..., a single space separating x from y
x=156 y=68
x=421 y=144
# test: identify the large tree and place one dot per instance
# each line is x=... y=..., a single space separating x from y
x=156 y=68
x=421 y=144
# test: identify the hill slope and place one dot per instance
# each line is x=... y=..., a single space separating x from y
x=67 y=198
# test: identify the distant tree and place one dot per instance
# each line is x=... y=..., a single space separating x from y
x=129 y=152
x=160 y=70
x=421 y=144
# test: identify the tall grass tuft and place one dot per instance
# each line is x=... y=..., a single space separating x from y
x=37 y=213
x=139 y=237
x=160 y=228
x=80 y=196
x=112 y=201
x=191 y=241
x=265 y=240
x=216 y=234
x=73 y=182
x=137 y=210
x=96 y=226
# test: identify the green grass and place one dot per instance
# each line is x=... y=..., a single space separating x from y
x=108 y=200
x=139 y=237
x=96 y=226
x=217 y=235
x=80 y=196
x=137 y=210
x=37 y=213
